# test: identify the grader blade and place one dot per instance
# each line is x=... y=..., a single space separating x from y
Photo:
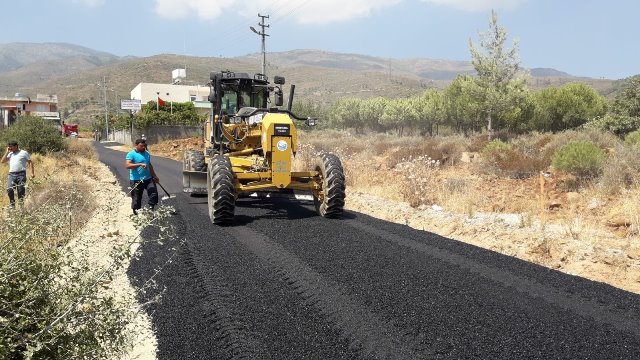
x=194 y=182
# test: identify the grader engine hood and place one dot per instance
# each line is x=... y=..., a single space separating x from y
x=279 y=143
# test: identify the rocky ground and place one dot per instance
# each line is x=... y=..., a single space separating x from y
x=111 y=225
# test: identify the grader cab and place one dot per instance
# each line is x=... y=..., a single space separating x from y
x=249 y=148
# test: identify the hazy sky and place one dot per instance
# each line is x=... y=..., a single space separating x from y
x=595 y=38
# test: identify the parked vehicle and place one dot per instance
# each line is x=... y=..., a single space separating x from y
x=69 y=130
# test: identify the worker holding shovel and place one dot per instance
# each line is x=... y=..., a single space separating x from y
x=141 y=176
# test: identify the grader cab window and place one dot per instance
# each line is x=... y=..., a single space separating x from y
x=230 y=103
x=233 y=99
x=259 y=97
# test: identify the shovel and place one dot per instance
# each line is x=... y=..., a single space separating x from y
x=168 y=196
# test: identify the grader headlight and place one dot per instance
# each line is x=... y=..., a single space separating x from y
x=311 y=121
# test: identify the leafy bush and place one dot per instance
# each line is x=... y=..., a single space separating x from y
x=34 y=134
x=633 y=138
x=50 y=306
x=602 y=139
x=181 y=114
x=615 y=123
x=580 y=158
x=496 y=145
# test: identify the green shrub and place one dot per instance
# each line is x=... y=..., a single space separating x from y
x=601 y=139
x=50 y=306
x=615 y=123
x=34 y=134
x=580 y=158
x=496 y=145
x=633 y=138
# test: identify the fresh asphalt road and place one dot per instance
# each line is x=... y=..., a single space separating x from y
x=283 y=283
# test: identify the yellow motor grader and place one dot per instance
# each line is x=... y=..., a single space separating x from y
x=249 y=147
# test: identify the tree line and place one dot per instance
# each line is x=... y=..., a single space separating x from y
x=497 y=98
x=458 y=108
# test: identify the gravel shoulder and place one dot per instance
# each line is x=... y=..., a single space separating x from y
x=111 y=225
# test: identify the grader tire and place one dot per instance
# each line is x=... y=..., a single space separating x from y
x=330 y=203
x=196 y=160
x=221 y=192
x=193 y=161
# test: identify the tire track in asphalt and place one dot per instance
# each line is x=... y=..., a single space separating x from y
x=373 y=337
x=576 y=304
x=230 y=334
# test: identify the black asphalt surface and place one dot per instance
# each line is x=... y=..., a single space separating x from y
x=283 y=283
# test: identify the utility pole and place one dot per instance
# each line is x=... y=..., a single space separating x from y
x=106 y=111
x=264 y=34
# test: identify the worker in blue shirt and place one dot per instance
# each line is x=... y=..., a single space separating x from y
x=141 y=175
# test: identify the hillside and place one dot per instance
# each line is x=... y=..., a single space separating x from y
x=318 y=83
x=26 y=66
x=18 y=55
x=424 y=69
x=74 y=73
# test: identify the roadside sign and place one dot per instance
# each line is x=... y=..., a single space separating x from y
x=130 y=104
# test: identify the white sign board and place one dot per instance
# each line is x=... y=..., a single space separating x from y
x=130 y=104
x=49 y=114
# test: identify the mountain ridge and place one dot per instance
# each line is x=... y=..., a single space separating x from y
x=73 y=72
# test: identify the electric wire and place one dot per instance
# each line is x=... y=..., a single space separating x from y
x=277 y=12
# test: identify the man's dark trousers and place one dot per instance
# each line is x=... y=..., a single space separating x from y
x=138 y=187
x=16 y=180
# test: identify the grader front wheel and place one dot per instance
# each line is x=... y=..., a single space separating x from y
x=329 y=202
x=221 y=191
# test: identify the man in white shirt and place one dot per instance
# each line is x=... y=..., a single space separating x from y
x=18 y=160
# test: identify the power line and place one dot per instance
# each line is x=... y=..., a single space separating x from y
x=235 y=34
x=292 y=11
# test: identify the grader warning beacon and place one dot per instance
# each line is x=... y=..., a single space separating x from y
x=249 y=147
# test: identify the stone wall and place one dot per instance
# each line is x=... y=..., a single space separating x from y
x=155 y=133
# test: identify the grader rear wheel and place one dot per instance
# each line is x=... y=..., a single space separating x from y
x=196 y=160
x=193 y=161
x=329 y=202
x=221 y=192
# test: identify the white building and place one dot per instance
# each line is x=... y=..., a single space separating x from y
x=196 y=94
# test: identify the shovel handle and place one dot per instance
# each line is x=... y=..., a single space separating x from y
x=165 y=190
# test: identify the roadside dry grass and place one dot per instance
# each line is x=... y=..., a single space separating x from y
x=77 y=204
x=448 y=186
